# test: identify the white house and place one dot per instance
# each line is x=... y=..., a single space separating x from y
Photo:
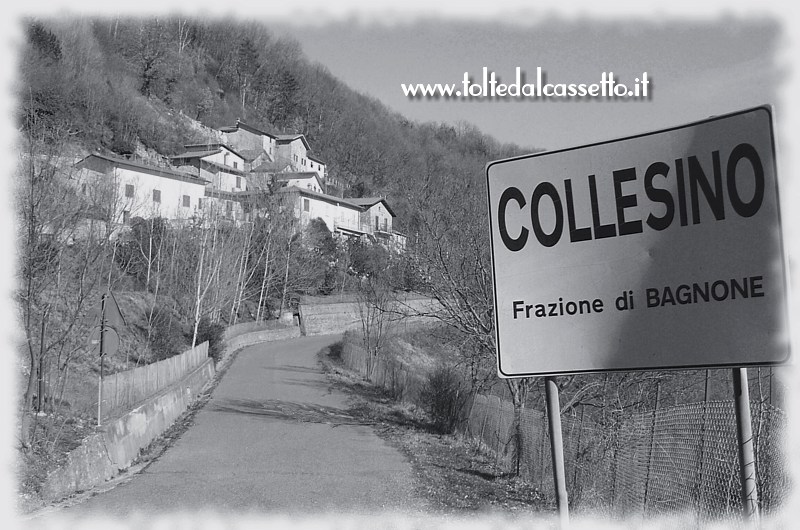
x=294 y=150
x=144 y=190
x=255 y=145
x=308 y=180
x=340 y=215
x=376 y=217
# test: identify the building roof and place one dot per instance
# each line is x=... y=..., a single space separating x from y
x=209 y=147
x=315 y=159
x=289 y=138
x=138 y=166
x=251 y=154
x=296 y=175
x=270 y=167
x=200 y=155
x=320 y=196
x=249 y=128
x=195 y=154
x=369 y=202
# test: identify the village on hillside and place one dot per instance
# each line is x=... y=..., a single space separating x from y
x=227 y=178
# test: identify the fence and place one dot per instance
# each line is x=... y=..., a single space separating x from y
x=675 y=460
x=389 y=373
x=123 y=390
x=681 y=459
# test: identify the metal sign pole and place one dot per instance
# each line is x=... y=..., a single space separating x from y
x=744 y=433
x=557 y=449
x=102 y=345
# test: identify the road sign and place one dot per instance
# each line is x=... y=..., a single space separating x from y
x=661 y=250
x=111 y=338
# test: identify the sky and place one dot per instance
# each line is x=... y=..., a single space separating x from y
x=696 y=68
x=703 y=58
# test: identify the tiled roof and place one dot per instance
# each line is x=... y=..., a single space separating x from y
x=153 y=170
x=289 y=138
x=368 y=202
x=296 y=175
x=195 y=154
x=209 y=146
x=321 y=196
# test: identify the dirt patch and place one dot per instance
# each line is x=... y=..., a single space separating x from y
x=455 y=475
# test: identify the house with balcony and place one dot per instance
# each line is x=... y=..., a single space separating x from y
x=224 y=170
x=216 y=163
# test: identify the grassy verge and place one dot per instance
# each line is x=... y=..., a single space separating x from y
x=454 y=474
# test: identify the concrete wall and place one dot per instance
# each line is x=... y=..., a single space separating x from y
x=325 y=319
x=254 y=337
x=117 y=443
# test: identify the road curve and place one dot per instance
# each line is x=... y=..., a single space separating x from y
x=274 y=439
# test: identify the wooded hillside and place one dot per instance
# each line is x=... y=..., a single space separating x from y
x=122 y=84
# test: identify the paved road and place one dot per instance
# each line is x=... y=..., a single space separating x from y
x=275 y=439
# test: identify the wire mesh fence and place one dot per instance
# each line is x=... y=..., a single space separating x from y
x=680 y=459
x=674 y=460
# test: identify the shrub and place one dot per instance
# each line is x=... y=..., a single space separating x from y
x=442 y=396
x=213 y=332
x=335 y=350
x=166 y=334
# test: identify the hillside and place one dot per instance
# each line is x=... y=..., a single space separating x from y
x=148 y=87
x=136 y=85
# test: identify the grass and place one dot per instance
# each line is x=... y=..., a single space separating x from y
x=455 y=475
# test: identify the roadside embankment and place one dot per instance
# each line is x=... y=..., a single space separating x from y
x=117 y=443
x=337 y=314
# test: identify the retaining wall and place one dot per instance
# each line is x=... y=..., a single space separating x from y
x=116 y=444
x=113 y=448
x=327 y=318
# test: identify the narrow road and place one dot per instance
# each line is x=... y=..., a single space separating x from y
x=273 y=439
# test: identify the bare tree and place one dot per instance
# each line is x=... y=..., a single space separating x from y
x=63 y=250
x=376 y=308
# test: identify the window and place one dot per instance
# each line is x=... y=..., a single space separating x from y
x=377 y=223
x=157 y=196
x=186 y=201
x=228 y=208
x=235 y=164
x=238 y=182
x=306 y=205
x=129 y=191
x=199 y=204
x=126 y=216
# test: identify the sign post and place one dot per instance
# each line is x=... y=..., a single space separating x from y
x=656 y=251
x=557 y=450
x=744 y=434
x=106 y=336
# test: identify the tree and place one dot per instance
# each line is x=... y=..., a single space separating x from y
x=64 y=239
x=376 y=309
x=246 y=66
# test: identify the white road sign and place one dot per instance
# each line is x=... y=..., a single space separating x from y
x=661 y=250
